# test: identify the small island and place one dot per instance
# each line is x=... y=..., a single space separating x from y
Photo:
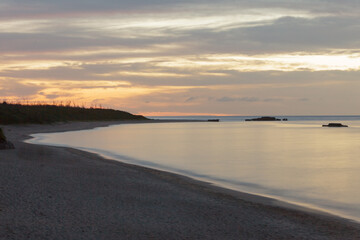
x=335 y=125
x=263 y=119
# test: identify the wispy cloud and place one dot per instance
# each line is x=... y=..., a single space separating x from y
x=238 y=99
x=9 y=87
x=182 y=55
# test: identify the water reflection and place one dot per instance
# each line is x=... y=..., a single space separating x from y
x=297 y=161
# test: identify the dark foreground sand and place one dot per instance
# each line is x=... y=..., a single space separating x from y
x=62 y=193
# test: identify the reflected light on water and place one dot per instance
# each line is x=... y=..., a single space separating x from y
x=296 y=161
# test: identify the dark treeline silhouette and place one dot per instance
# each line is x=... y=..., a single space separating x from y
x=38 y=113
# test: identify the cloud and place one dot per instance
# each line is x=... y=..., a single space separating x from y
x=230 y=54
x=248 y=99
x=52 y=95
x=37 y=8
x=12 y=88
x=282 y=35
x=238 y=99
x=273 y=100
x=299 y=34
x=54 y=42
x=191 y=99
x=143 y=74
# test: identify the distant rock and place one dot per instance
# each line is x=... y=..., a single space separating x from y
x=335 y=125
x=4 y=144
x=263 y=119
x=2 y=136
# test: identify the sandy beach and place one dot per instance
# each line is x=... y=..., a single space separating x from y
x=62 y=193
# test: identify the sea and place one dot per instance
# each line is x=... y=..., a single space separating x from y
x=297 y=161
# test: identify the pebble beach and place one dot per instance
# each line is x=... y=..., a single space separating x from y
x=51 y=192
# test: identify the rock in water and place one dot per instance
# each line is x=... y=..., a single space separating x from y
x=263 y=119
x=4 y=144
x=2 y=136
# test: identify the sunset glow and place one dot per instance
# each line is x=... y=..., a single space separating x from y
x=228 y=58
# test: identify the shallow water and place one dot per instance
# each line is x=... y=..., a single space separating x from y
x=296 y=161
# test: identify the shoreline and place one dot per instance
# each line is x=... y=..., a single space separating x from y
x=221 y=186
x=305 y=223
x=264 y=199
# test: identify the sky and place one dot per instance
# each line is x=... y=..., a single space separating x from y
x=170 y=57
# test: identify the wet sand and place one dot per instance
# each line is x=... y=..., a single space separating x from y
x=63 y=193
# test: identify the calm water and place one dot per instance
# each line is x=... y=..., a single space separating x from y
x=297 y=161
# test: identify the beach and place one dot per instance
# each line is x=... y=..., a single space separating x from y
x=63 y=193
